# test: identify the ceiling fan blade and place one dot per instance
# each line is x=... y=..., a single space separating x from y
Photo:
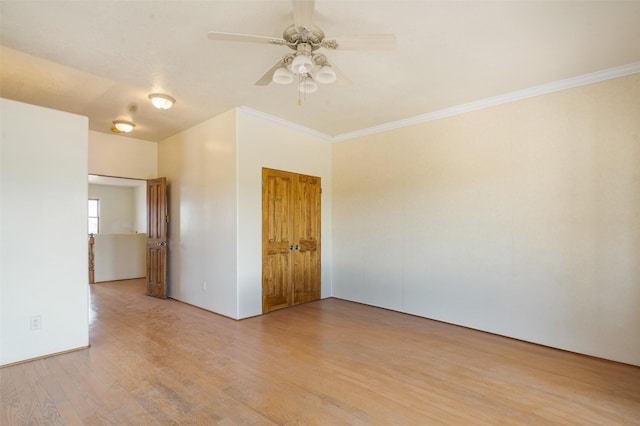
x=303 y=13
x=361 y=42
x=214 y=35
x=266 y=78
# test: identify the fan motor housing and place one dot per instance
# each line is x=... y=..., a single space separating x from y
x=312 y=36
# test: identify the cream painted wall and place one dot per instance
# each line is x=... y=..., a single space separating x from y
x=119 y=248
x=265 y=144
x=215 y=230
x=200 y=165
x=120 y=256
x=521 y=219
x=140 y=209
x=122 y=156
x=117 y=208
x=43 y=231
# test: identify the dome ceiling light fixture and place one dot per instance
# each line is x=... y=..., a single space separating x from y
x=123 y=126
x=161 y=101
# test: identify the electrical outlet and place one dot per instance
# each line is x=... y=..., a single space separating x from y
x=36 y=322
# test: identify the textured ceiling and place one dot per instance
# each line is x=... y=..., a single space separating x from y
x=97 y=58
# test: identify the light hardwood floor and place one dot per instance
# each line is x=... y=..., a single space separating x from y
x=327 y=362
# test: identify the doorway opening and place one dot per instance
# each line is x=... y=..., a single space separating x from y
x=117 y=249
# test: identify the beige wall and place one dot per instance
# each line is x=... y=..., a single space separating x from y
x=200 y=166
x=262 y=143
x=214 y=172
x=521 y=219
x=120 y=256
x=43 y=231
x=117 y=208
x=122 y=156
x=120 y=247
x=140 y=209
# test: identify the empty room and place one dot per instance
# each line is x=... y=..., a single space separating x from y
x=322 y=212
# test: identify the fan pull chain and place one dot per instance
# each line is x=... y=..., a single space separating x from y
x=301 y=80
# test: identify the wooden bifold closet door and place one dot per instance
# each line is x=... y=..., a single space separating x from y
x=290 y=239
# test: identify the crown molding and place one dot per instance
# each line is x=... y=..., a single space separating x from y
x=544 y=89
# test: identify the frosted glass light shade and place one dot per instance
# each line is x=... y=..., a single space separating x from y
x=308 y=86
x=161 y=101
x=301 y=64
x=282 y=76
x=123 y=126
x=325 y=75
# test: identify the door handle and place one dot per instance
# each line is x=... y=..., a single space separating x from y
x=162 y=244
x=294 y=247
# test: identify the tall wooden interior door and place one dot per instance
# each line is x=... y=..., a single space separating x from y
x=290 y=239
x=157 y=238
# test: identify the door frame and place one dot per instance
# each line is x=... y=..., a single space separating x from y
x=113 y=181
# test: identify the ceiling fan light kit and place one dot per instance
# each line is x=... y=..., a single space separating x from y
x=305 y=38
x=325 y=75
x=307 y=85
x=310 y=69
x=282 y=76
x=301 y=64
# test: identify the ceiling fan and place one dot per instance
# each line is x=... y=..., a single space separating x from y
x=304 y=38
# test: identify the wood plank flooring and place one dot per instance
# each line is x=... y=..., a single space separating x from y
x=328 y=362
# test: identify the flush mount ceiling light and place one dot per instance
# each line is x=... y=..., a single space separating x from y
x=123 y=126
x=161 y=101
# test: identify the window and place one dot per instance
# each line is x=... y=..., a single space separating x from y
x=94 y=215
